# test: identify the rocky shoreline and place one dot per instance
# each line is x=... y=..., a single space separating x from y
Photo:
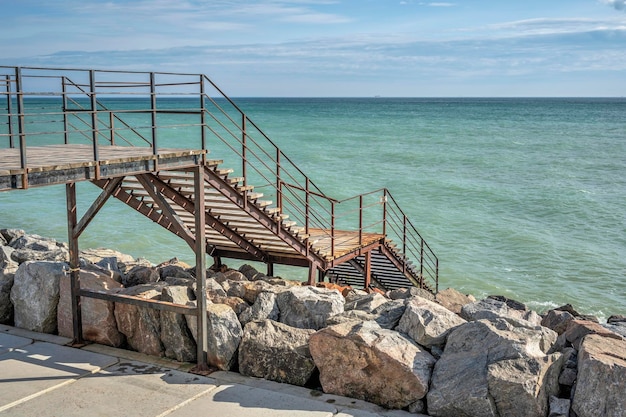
x=449 y=355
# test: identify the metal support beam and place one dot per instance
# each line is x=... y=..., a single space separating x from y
x=202 y=343
x=270 y=269
x=70 y=190
x=109 y=188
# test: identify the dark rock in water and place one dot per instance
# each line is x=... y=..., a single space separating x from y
x=276 y=352
x=616 y=319
x=515 y=305
x=141 y=275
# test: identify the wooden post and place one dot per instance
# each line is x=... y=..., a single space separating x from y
x=70 y=190
x=368 y=269
x=203 y=346
x=312 y=271
x=270 y=269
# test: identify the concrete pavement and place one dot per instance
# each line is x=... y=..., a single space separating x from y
x=41 y=376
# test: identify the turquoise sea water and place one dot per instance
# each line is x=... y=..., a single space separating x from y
x=520 y=197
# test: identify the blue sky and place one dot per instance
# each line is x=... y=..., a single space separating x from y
x=336 y=48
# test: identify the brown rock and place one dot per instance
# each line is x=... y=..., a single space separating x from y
x=98 y=316
x=601 y=381
x=578 y=329
x=453 y=300
x=361 y=360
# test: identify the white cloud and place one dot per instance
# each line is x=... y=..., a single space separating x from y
x=617 y=4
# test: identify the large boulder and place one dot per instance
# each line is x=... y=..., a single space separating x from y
x=224 y=334
x=388 y=315
x=428 y=323
x=7 y=274
x=601 y=386
x=453 y=300
x=309 y=307
x=11 y=234
x=276 y=352
x=141 y=325
x=99 y=256
x=265 y=307
x=364 y=361
x=495 y=369
x=176 y=337
x=495 y=307
x=98 y=316
x=35 y=295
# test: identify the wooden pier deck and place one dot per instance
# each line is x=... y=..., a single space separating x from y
x=60 y=164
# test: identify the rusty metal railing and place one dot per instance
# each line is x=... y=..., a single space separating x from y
x=158 y=110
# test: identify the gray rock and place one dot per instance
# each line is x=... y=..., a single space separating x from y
x=578 y=329
x=492 y=368
x=175 y=271
x=559 y=407
x=35 y=295
x=568 y=377
x=224 y=334
x=6 y=306
x=141 y=275
x=265 y=307
x=601 y=378
x=404 y=293
x=26 y=254
x=367 y=303
x=308 y=307
x=98 y=316
x=492 y=309
x=11 y=234
x=617 y=327
x=141 y=325
x=390 y=313
x=276 y=352
x=363 y=361
x=124 y=262
x=176 y=337
x=428 y=323
x=351 y=315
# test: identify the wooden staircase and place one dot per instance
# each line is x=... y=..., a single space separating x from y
x=364 y=241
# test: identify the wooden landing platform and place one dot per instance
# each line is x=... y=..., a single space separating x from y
x=345 y=241
x=61 y=164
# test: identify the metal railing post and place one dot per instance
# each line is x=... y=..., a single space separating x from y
x=332 y=229
x=307 y=205
x=10 y=111
x=153 y=106
x=66 y=132
x=94 y=114
x=244 y=149
x=385 y=212
x=112 y=124
x=21 y=125
x=202 y=118
x=422 y=257
x=361 y=219
x=404 y=234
